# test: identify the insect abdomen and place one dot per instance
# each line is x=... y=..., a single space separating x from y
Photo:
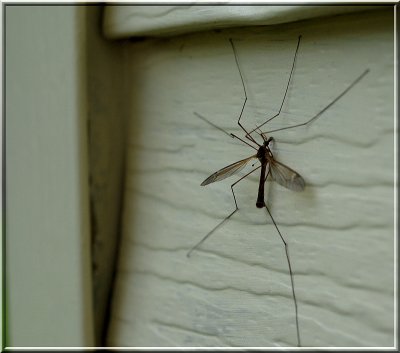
x=260 y=197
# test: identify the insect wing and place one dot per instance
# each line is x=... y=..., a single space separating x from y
x=286 y=176
x=227 y=171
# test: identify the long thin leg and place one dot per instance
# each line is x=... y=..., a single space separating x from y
x=286 y=90
x=247 y=135
x=327 y=107
x=212 y=124
x=226 y=218
x=233 y=135
x=224 y=131
x=291 y=276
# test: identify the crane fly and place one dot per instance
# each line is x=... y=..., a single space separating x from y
x=279 y=172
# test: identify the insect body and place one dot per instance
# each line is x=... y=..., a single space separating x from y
x=281 y=173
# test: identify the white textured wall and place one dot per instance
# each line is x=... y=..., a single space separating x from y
x=235 y=291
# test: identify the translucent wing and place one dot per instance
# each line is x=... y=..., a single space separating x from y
x=227 y=171
x=286 y=176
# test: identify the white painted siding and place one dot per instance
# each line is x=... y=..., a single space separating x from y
x=235 y=290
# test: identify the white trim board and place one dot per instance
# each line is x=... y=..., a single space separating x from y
x=48 y=264
x=167 y=20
